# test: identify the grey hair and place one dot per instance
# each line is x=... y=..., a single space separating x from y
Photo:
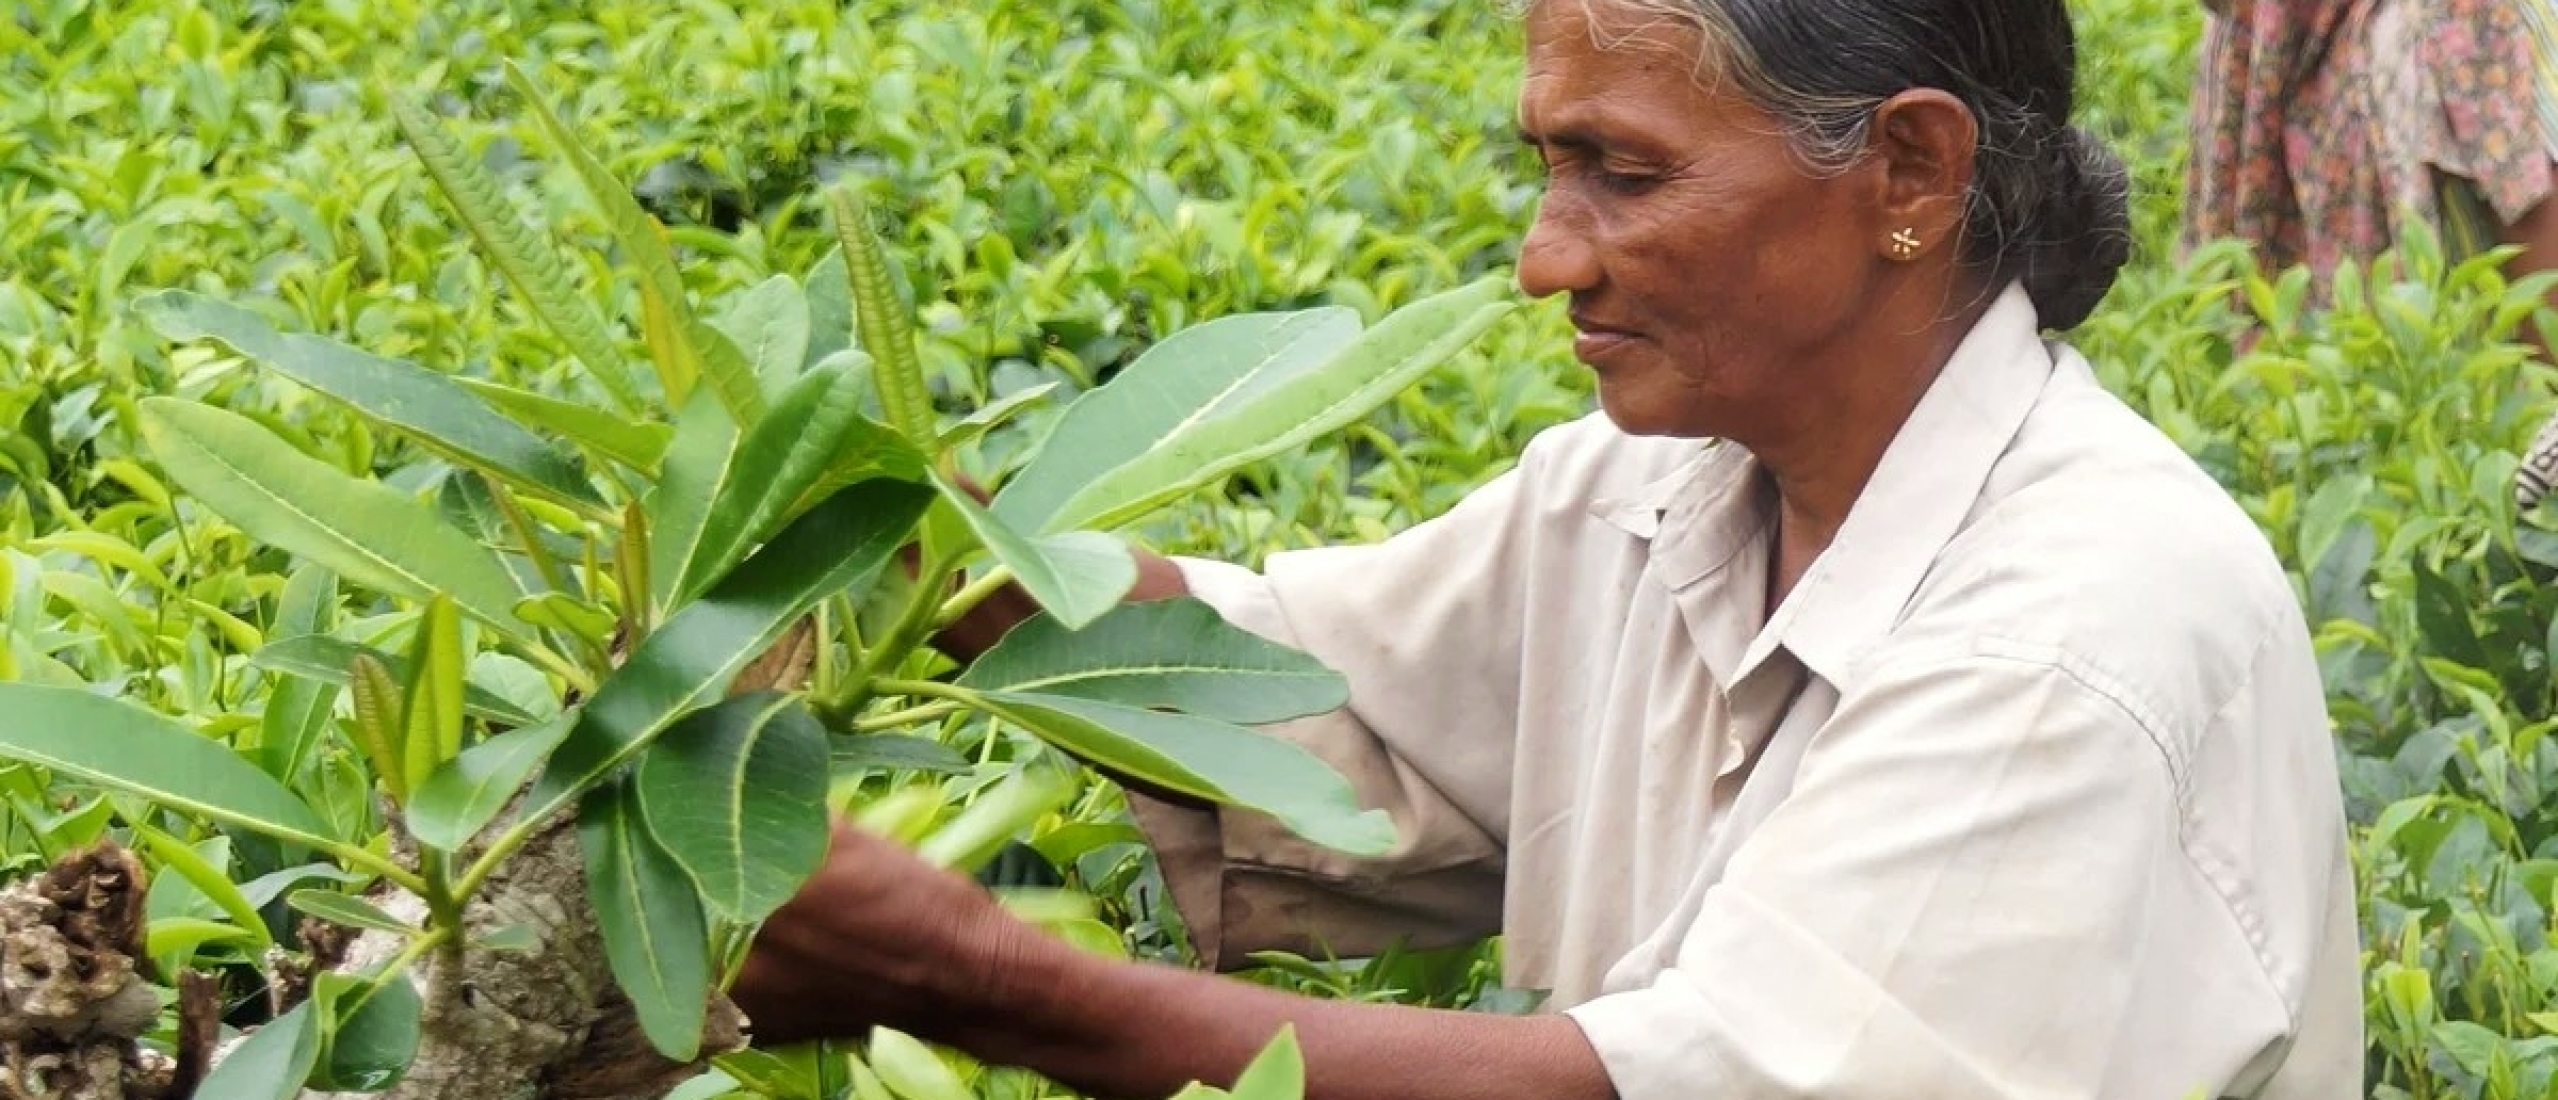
x=2049 y=203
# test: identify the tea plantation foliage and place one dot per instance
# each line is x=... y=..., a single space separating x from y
x=1067 y=181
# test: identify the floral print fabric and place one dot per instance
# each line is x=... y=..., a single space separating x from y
x=2322 y=126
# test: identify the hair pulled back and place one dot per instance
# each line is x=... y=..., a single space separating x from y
x=2049 y=204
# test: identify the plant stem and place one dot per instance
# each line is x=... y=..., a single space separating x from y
x=913 y=625
x=911 y=716
x=968 y=598
x=435 y=936
x=559 y=666
x=932 y=689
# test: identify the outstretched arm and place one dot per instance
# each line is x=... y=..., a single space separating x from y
x=882 y=938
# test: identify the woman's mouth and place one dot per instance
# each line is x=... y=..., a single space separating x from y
x=1598 y=341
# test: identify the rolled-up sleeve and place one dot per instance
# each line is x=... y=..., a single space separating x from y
x=1424 y=626
x=1976 y=889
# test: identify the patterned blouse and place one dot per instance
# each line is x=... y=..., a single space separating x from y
x=2322 y=126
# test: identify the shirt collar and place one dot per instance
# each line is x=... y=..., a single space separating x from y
x=1929 y=481
x=1700 y=518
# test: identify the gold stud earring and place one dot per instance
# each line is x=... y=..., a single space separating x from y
x=1905 y=244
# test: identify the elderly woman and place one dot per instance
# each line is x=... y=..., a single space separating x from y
x=1866 y=705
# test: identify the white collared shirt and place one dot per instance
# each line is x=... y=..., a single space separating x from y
x=2026 y=790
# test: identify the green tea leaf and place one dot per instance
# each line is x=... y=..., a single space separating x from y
x=372 y=1031
x=174 y=855
x=1077 y=576
x=887 y=332
x=1175 y=654
x=119 y=745
x=324 y=659
x=460 y=798
x=993 y=415
x=778 y=462
x=297 y=708
x=637 y=444
x=1206 y=759
x=272 y=1063
x=723 y=366
x=736 y=793
x=911 y=1070
x=527 y=263
x=690 y=659
x=367 y=532
x=347 y=910
x=700 y=464
x=654 y=932
x=434 y=410
x=1033 y=790
x=769 y=323
x=432 y=711
x=1109 y=471
x=1277 y=1073
x=1177 y=384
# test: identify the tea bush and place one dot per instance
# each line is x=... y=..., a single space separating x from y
x=1064 y=184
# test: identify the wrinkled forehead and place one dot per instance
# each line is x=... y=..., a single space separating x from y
x=1586 y=51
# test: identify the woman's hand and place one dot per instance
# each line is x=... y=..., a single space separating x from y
x=879 y=937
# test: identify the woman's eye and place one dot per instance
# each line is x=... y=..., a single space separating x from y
x=1624 y=183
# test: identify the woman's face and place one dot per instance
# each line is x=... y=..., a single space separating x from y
x=1716 y=282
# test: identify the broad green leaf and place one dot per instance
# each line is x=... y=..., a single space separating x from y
x=1277 y=1073
x=173 y=941
x=723 y=366
x=654 y=933
x=890 y=751
x=1175 y=654
x=778 y=462
x=911 y=1070
x=527 y=262
x=372 y=1032
x=769 y=322
x=1189 y=377
x=459 y=799
x=830 y=307
x=173 y=855
x=1207 y=759
x=569 y=615
x=369 y=533
x=347 y=910
x=263 y=890
x=272 y=1063
x=700 y=464
x=1077 y=576
x=635 y=443
x=1287 y=400
x=430 y=408
x=297 y=707
x=324 y=659
x=118 y=745
x=736 y=793
x=432 y=710
x=689 y=660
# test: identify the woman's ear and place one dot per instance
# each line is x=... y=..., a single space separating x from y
x=1923 y=142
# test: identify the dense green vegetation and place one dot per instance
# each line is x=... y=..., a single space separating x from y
x=1064 y=184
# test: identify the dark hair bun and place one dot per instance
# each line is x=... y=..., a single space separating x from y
x=2080 y=234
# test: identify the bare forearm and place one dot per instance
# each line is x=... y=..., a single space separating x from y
x=1143 y=1031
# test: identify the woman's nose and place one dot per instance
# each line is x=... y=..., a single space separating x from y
x=1556 y=257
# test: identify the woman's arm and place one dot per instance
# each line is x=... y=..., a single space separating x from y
x=881 y=938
